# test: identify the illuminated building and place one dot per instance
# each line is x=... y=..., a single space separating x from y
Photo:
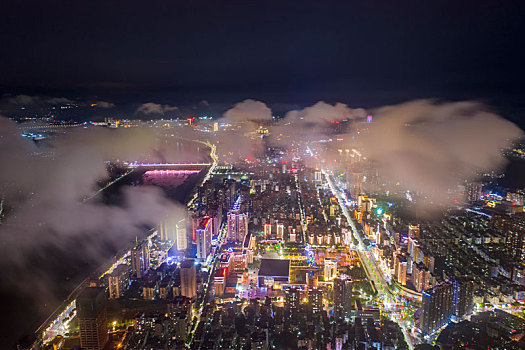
x=237 y=223
x=463 y=297
x=413 y=231
x=280 y=231
x=315 y=300
x=318 y=177
x=473 y=191
x=204 y=235
x=330 y=269
x=140 y=260
x=292 y=304
x=182 y=235
x=342 y=296
x=92 y=318
x=400 y=269
x=267 y=230
x=167 y=230
x=188 y=279
x=174 y=230
x=180 y=314
x=118 y=281
x=148 y=291
x=421 y=277
x=219 y=283
x=437 y=307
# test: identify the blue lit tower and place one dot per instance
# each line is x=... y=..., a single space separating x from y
x=237 y=223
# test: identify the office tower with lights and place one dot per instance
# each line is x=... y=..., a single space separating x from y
x=237 y=223
x=188 y=279
x=437 y=307
x=166 y=231
x=267 y=230
x=315 y=300
x=140 y=260
x=204 y=235
x=92 y=318
x=473 y=191
x=118 y=281
x=342 y=296
x=280 y=231
x=330 y=269
x=463 y=297
x=181 y=232
x=292 y=304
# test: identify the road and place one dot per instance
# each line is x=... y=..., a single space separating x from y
x=370 y=265
x=211 y=273
x=215 y=158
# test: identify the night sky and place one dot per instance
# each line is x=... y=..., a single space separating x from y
x=359 y=52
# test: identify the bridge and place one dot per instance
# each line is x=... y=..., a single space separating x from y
x=168 y=166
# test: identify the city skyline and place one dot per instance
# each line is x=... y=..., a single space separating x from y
x=262 y=175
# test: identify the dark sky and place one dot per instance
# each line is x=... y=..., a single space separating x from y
x=282 y=51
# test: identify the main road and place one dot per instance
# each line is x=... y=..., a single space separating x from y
x=369 y=263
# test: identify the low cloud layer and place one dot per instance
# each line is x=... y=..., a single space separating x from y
x=248 y=111
x=430 y=147
x=45 y=216
x=151 y=108
x=314 y=123
x=26 y=100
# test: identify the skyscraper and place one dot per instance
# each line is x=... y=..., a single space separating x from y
x=92 y=318
x=330 y=269
x=237 y=223
x=118 y=281
x=342 y=296
x=204 y=235
x=181 y=229
x=280 y=231
x=315 y=300
x=437 y=307
x=174 y=230
x=473 y=191
x=292 y=304
x=167 y=230
x=140 y=260
x=188 y=279
x=463 y=297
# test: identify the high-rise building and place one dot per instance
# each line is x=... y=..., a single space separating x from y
x=292 y=304
x=181 y=230
x=166 y=230
x=315 y=300
x=463 y=297
x=204 y=235
x=174 y=229
x=513 y=228
x=188 y=279
x=118 y=281
x=437 y=307
x=342 y=296
x=140 y=260
x=237 y=223
x=413 y=231
x=473 y=191
x=330 y=269
x=92 y=318
x=280 y=231
x=267 y=230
